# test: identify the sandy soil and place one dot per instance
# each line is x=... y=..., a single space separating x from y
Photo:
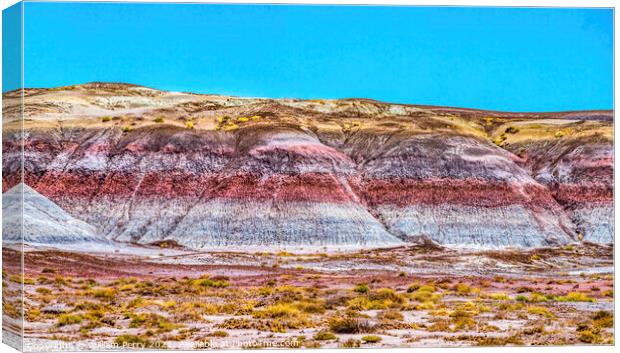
x=400 y=297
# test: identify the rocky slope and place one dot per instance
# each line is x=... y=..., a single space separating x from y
x=44 y=222
x=144 y=165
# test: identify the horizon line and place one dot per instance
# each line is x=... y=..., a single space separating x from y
x=422 y=105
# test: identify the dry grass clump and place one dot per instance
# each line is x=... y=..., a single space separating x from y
x=134 y=341
x=340 y=323
x=371 y=339
x=593 y=331
x=576 y=297
x=283 y=316
x=424 y=295
x=324 y=336
x=361 y=288
x=351 y=343
x=390 y=315
x=151 y=321
x=69 y=319
x=383 y=298
x=540 y=311
x=498 y=296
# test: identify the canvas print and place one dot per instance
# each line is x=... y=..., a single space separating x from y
x=205 y=176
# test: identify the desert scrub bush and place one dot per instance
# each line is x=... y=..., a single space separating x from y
x=324 y=336
x=348 y=324
x=363 y=303
x=135 y=342
x=256 y=117
x=351 y=343
x=536 y=297
x=317 y=307
x=284 y=316
x=193 y=311
x=218 y=334
x=522 y=298
x=512 y=130
x=32 y=314
x=499 y=140
x=462 y=319
x=587 y=336
x=277 y=311
x=189 y=124
x=105 y=119
x=243 y=119
x=390 y=315
x=107 y=294
x=425 y=294
x=126 y=129
x=575 y=297
x=540 y=311
x=427 y=305
x=43 y=291
x=236 y=307
x=230 y=127
x=17 y=278
x=361 y=288
x=151 y=321
x=371 y=339
x=159 y=119
x=206 y=282
x=288 y=293
x=603 y=319
x=69 y=319
x=386 y=295
x=514 y=340
x=462 y=289
x=439 y=326
x=235 y=324
x=498 y=296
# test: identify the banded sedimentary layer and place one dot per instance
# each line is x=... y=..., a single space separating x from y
x=143 y=165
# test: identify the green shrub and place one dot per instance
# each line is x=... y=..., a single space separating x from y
x=69 y=319
x=361 y=288
x=576 y=297
x=371 y=339
x=159 y=119
x=324 y=336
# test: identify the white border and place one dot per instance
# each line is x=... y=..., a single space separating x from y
x=491 y=3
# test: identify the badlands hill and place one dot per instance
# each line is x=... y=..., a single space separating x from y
x=143 y=165
x=44 y=223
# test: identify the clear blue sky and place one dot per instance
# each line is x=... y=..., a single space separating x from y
x=493 y=58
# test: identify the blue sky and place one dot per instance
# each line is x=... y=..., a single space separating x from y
x=493 y=58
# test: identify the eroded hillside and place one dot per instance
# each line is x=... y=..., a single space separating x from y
x=144 y=165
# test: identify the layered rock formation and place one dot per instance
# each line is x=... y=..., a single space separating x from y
x=143 y=165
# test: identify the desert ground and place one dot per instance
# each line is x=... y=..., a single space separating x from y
x=421 y=295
